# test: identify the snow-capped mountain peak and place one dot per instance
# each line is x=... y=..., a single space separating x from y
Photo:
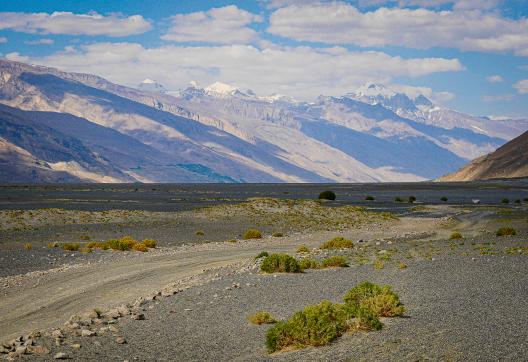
x=150 y=85
x=222 y=89
x=374 y=90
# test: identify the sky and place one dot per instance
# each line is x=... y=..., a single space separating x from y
x=469 y=55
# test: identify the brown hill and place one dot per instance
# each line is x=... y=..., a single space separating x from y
x=508 y=161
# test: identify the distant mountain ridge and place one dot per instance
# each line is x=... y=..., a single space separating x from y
x=508 y=161
x=223 y=134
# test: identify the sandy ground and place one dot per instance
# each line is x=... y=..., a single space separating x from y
x=466 y=300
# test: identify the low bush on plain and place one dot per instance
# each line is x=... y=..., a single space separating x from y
x=125 y=243
x=412 y=199
x=252 y=234
x=505 y=201
x=261 y=318
x=320 y=324
x=398 y=199
x=444 y=199
x=28 y=246
x=335 y=262
x=327 y=195
x=199 y=233
x=456 y=236
x=506 y=231
x=277 y=235
x=378 y=264
x=280 y=263
x=338 y=242
x=370 y=198
x=149 y=243
x=303 y=249
x=262 y=254
x=308 y=264
x=71 y=246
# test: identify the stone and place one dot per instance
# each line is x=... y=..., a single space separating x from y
x=123 y=310
x=138 y=317
x=28 y=342
x=113 y=329
x=58 y=342
x=113 y=314
x=21 y=350
x=87 y=333
x=40 y=350
x=120 y=340
x=61 y=355
x=76 y=346
x=57 y=333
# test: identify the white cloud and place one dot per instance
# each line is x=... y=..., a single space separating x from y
x=227 y=25
x=302 y=72
x=494 y=79
x=413 y=92
x=522 y=86
x=74 y=24
x=455 y=4
x=43 y=41
x=340 y=23
x=3 y=39
x=499 y=98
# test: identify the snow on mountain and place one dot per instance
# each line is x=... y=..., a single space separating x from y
x=223 y=134
x=150 y=85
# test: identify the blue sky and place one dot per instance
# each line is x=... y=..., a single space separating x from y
x=465 y=54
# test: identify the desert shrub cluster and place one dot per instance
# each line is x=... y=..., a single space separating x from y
x=261 y=318
x=335 y=262
x=280 y=263
x=320 y=324
x=125 y=243
x=456 y=236
x=327 y=195
x=506 y=231
x=338 y=242
x=252 y=234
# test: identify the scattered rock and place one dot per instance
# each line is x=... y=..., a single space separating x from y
x=113 y=329
x=21 y=350
x=113 y=314
x=76 y=346
x=138 y=316
x=40 y=350
x=87 y=333
x=61 y=355
x=120 y=340
x=57 y=333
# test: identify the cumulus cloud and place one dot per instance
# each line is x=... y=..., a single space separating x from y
x=494 y=79
x=74 y=24
x=522 y=86
x=43 y=41
x=227 y=25
x=455 y=4
x=302 y=72
x=341 y=23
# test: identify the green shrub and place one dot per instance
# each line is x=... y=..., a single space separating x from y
x=28 y=246
x=327 y=195
x=455 y=236
x=338 y=242
x=277 y=235
x=517 y=201
x=378 y=264
x=370 y=198
x=444 y=199
x=140 y=247
x=280 y=263
x=303 y=249
x=123 y=244
x=199 y=233
x=381 y=301
x=506 y=231
x=505 y=201
x=262 y=254
x=412 y=199
x=71 y=246
x=316 y=325
x=335 y=262
x=402 y=265
x=261 y=318
x=398 y=199
x=308 y=264
x=149 y=243
x=252 y=234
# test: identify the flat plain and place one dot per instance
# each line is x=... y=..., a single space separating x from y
x=189 y=298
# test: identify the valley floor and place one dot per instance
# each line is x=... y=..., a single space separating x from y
x=465 y=299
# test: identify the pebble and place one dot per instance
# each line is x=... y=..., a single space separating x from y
x=87 y=333
x=61 y=355
x=76 y=346
x=138 y=316
x=120 y=340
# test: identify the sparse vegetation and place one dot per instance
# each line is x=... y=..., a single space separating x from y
x=303 y=249
x=199 y=233
x=336 y=261
x=398 y=199
x=252 y=234
x=85 y=250
x=412 y=199
x=402 y=265
x=280 y=263
x=320 y=324
x=378 y=264
x=261 y=318
x=140 y=247
x=53 y=244
x=327 y=195
x=506 y=231
x=517 y=201
x=505 y=201
x=149 y=243
x=444 y=199
x=28 y=246
x=277 y=235
x=125 y=243
x=370 y=198
x=262 y=254
x=456 y=236
x=338 y=242
x=308 y=264
x=382 y=301
x=71 y=246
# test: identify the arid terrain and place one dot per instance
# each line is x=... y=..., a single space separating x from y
x=188 y=297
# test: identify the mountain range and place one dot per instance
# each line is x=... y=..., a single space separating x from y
x=58 y=126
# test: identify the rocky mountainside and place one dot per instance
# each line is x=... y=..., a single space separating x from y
x=508 y=161
x=104 y=132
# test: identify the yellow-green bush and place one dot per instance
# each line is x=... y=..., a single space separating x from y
x=252 y=234
x=338 y=242
x=261 y=318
